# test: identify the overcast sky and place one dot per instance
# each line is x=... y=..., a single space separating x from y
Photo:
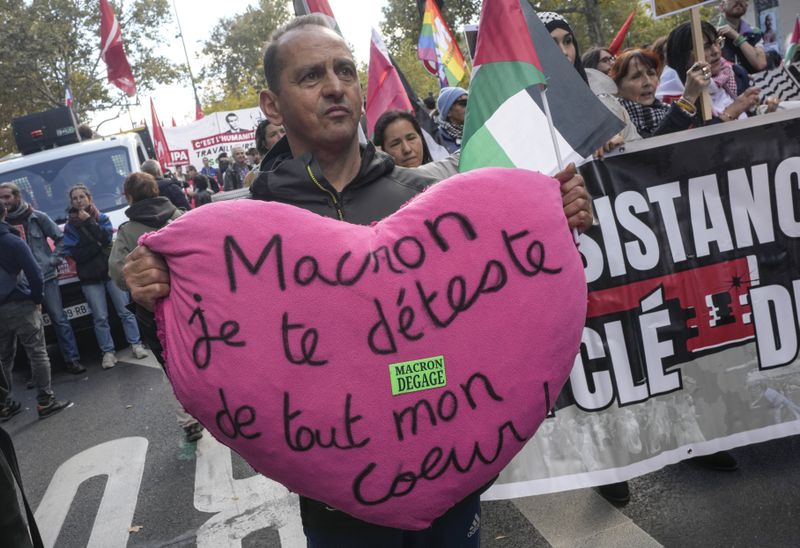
x=197 y=18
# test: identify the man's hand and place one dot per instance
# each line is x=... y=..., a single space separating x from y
x=728 y=32
x=576 y=199
x=147 y=276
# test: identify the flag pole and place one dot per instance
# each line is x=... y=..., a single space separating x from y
x=128 y=108
x=546 y=108
x=188 y=65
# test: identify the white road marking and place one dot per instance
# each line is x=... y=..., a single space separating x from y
x=125 y=355
x=122 y=461
x=242 y=506
x=582 y=518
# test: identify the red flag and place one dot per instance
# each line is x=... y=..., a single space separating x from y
x=384 y=89
x=306 y=7
x=159 y=140
x=112 y=52
x=173 y=122
x=619 y=39
x=198 y=111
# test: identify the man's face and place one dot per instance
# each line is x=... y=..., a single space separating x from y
x=191 y=173
x=239 y=156
x=205 y=162
x=735 y=8
x=273 y=134
x=7 y=197
x=233 y=122
x=319 y=102
x=458 y=111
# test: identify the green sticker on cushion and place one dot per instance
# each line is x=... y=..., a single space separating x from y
x=416 y=375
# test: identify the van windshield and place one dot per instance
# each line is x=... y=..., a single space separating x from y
x=46 y=185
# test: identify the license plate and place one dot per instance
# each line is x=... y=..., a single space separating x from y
x=71 y=312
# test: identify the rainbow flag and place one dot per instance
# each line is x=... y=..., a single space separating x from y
x=438 y=50
x=794 y=42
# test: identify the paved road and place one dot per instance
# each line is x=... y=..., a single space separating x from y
x=114 y=470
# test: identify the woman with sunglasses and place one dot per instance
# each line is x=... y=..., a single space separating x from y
x=452 y=105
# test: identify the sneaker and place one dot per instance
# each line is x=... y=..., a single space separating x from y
x=12 y=407
x=616 y=493
x=52 y=408
x=75 y=367
x=139 y=351
x=722 y=461
x=109 y=360
x=193 y=432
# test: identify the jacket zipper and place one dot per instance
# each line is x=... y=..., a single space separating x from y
x=336 y=203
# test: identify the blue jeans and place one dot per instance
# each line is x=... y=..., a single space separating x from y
x=459 y=527
x=95 y=294
x=55 y=309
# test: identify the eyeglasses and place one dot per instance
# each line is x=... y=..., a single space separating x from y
x=461 y=102
x=719 y=42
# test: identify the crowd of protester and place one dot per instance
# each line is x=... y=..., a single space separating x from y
x=155 y=198
x=654 y=90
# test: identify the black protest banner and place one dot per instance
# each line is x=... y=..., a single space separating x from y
x=691 y=339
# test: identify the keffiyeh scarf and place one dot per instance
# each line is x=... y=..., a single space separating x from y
x=452 y=130
x=645 y=118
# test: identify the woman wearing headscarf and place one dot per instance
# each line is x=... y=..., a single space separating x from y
x=564 y=38
x=602 y=86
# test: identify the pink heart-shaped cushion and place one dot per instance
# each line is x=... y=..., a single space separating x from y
x=283 y=333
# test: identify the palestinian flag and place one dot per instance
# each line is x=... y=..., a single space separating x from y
x=505 y=66
x=794 y=43
x=505 y=124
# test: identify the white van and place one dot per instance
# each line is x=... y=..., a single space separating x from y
x=45 y=178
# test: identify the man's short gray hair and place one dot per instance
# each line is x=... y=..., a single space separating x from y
x=273 y=64
x=153 y=168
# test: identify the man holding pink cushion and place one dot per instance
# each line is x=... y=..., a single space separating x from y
x=319 y=165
